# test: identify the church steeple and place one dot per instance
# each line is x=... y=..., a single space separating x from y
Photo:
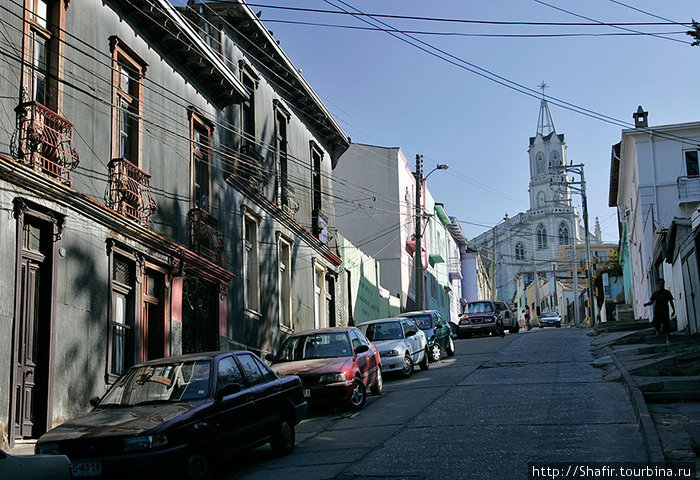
x=545 y=124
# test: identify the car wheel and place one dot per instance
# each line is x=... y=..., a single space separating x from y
x=435 y=352
x=282 y=442
x=199 y=466
x=558 y=326
x=515 y=329
x=425 y=363
x=378 y=386
x=358 y=395
x=450 y=348
x=407 y=369
x=541 y=326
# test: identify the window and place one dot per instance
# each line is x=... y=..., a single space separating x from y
x=519 y=251
x=200 y=136
x=563 y=234
x=330 y=300
x=285 y=193
x=128 y=70
x=250 y=82
x=122 y=316
x=541 y=199
x=255 y=371
x=229 y=373
x=691 y=163
x=555 y=159
x=319 y=295
x=44 y=20
x=539 y=164
x=153 y=321
x=541 y=237
x=316 y=160
x=251 y=272
x=284 y=252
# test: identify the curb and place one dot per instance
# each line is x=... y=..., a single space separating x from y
x=650 y=437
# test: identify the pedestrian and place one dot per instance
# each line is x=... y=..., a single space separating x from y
x=526 y=312
x=660 y=299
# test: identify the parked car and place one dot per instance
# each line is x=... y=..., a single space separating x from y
x=437 y=331
x=34 y=467
x=400 y=342
x=549 y=319
x=481 y=316
x=336 y=365
x=176 y=416
x=510 y=319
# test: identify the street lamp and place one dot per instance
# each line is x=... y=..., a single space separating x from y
x=418 y=264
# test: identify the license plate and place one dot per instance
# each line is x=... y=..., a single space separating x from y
x=307 y=393
x=86 y=469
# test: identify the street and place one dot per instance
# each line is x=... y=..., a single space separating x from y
x=484 y=413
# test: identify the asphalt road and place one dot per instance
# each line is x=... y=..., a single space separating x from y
x=498 y=404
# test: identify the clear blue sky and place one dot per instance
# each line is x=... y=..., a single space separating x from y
x=385 y=92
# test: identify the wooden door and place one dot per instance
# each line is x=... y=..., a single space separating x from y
x=32 y=332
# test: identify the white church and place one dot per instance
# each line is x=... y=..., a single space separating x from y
x=528 y=242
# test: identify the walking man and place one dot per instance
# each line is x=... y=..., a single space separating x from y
x=527 y=317
x=660 y=299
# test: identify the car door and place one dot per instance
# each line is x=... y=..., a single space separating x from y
x=413 y=339
x=366 y=363
x=266 y=388
x=442 y=331
x=234 y=419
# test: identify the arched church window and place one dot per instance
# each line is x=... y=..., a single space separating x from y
x=563 y=234
x=541 y=237
x=540 y=163
x=555 y=159
x=519 y=251
x=541 y=199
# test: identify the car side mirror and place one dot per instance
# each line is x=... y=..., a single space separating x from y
x=227 y=390
x=95 y=401
x=410 y=333
x=269 y=357
x=362 y=349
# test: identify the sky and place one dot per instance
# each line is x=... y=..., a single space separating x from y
x=386 y=92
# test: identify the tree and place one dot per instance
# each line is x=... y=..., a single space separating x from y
x=695 y=33
x=612 y=266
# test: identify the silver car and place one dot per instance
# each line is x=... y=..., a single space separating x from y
x=400 y=342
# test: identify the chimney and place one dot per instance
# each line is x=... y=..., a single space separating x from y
x=640 y=118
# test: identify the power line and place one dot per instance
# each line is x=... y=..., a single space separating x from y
x=466 y=34
x=458 y=20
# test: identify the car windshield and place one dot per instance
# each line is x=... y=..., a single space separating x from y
x=377 y=332
x=424 y=322
x=173 y=382
x=317 y=345
x=549 y=314
x=479 y=307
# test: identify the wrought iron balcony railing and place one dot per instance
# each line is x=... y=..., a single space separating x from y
x=689 y=189
x=205 y=237
x=130 y=191
x=44 y=141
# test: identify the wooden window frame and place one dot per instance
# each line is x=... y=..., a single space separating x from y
x=316 y=155
x=319 y=272
x=114 y=287
x=284 y=269
x=124 y=56
x=53 y=33
x=251 y=258
x=251 y=81
x=146 y=299
x=282 y=117
x=200 y=124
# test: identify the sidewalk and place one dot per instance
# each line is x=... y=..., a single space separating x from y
x=663 y=382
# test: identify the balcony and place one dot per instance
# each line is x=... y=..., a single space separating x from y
x=44 y=141
x=205 y=237
x=130 y=191
x=689 y=189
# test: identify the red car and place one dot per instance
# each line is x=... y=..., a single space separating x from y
x=336 y=365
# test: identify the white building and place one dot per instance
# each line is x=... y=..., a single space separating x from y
x=655 y=185
x=528 y=242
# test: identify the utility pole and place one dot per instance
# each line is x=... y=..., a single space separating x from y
x=554 y=278
x=589 y=275
x=493 y=266
x=580 y=187
x=418 y=263
x=577 y=312
x=537 y=275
